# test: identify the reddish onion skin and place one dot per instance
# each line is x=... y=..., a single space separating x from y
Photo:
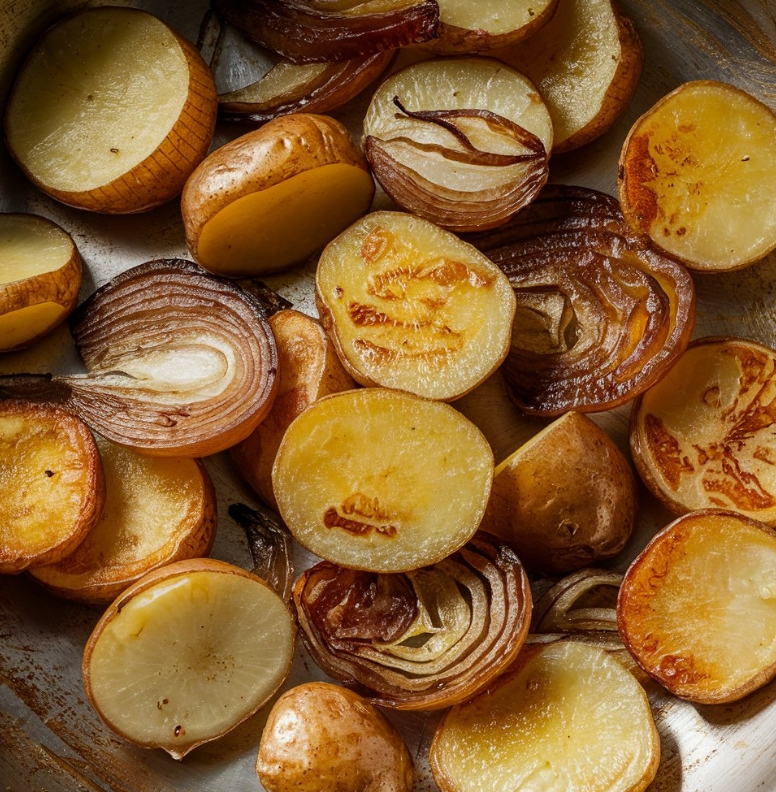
x=304 y=33
x=142 y=336
x=601 y=314
x=348 y=617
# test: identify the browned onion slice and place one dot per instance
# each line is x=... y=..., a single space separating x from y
x=513 y=179
x=310 y=88
x=181 y=363
x=601 y=315
x=418 y=640
x=309 y=31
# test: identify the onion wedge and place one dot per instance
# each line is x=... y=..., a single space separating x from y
x=601 y=315
x=310 y=31
x=180 y=363
x=419 y=640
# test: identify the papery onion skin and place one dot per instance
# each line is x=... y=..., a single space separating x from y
x=341 y=638
x=341 y=82
x=155 y=314
x=304 y=33
x=458 y=210
x=623 y=311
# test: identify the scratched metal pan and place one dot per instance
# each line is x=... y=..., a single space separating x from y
x=49 y=737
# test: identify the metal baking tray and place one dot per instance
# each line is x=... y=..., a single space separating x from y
x=51 y=740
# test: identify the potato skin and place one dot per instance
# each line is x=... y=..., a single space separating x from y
x=278 y=150
x=321 y=737
x=565 y=500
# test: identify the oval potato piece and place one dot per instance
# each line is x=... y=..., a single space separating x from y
x=52 y=486
x=309 y=368
x=323 y=736
x=408 y=305
x=697 y=607
x=565 y=499
x=382 y=480
x=272 y=197
x=157 y=510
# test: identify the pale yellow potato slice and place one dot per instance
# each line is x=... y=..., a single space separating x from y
x=381 y=480
x=40 y=277
x=586 y=62
x=565 y=716
x=697 y=607
x=697 y=175
x=111 y=111
x=187 y=653
x=308 y=369
x=52 y=487
x=157 y=510
x=409 y=305
x=465 y=26
x=565 y=499
x=274 y=196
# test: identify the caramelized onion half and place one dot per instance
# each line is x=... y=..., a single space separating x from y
x=601 y=315
x=180 y=363
x=310 y=31
x=309 y=88
x=423 y=639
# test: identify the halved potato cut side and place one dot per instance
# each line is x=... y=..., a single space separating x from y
x=52 y=487
x=382 y=480
x=111 y=111
x=40 y=277
x=157 y=510
x=697 y=608
x=187 y=653
x=410 y=306
x=586 y=62
x=702 y=437
x=697 y=175
x=566 y=716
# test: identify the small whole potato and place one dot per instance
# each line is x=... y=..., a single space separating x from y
x=322 y=737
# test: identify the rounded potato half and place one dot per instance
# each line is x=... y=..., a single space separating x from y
x=52 y=486
x=272 y=197
x=111 y=111
x=381 y=480
x=157 y=510
x=40 y=277
x=321 y=736
x=565 y=499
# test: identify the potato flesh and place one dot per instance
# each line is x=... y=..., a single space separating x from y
x=411 y=306
x=31 y=246
x=568 y=717
x=703 y=436
x=156 y=510
x=698 y=607
x=572 y=60
x=189 y=657
x=702 y=173
x=458 y=84
x=282 y=225
x=493 y=16
x=16 y=327
x=56 y=121
x=382 y=480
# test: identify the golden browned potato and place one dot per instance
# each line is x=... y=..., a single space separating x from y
x=157 y=510
x=40 y=277
x=111 y=111
x=52 y=487
x=308 y=369
x=272 y=197
x=565 y=499
x=321 y=737
x=697 y=174
x=586 y=62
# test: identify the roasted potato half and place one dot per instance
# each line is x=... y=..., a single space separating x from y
x=52 y=485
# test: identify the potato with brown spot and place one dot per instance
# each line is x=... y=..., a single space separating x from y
x=321 y=737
